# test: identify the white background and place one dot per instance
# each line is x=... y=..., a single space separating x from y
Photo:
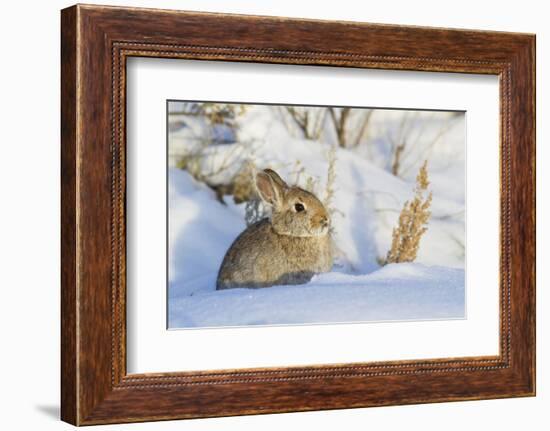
x=151 y=348
x=29 y=224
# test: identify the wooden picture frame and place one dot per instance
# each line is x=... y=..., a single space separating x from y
x=95 y=43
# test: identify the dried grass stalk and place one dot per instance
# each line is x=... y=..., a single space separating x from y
x=331 y=178
x=413 y=221
x=254 y=211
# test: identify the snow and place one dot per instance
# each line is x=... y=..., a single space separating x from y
x=395 y=292
x=200 y=230
x=368 y=199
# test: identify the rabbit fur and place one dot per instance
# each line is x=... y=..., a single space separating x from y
x=288 y=248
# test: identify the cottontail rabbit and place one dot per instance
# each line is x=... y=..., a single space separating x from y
x=289 y=248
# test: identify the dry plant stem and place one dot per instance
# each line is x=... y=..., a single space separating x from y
x=308 y=120
x=440 y=134
x=301 y=119
x=399 y=143
x=254 y=211
x=364 y=127
x=331 y=179
x=396 y=163
x=339 y=122
x=412 y=223
x=193 y=163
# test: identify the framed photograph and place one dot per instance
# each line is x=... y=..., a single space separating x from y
x=317 y=215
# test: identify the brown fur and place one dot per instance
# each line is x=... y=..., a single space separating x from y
x=289 y=248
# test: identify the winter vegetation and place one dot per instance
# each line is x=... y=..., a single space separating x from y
x=412 y=222
x=393 y=182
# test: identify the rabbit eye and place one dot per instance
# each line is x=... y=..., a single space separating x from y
x=299 y=207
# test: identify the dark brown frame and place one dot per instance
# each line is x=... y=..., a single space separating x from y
x=95 y=43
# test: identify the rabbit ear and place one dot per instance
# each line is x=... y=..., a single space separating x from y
x=270 y=187
x=275 y=177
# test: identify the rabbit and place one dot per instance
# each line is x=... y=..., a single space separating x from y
x=288 y=248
